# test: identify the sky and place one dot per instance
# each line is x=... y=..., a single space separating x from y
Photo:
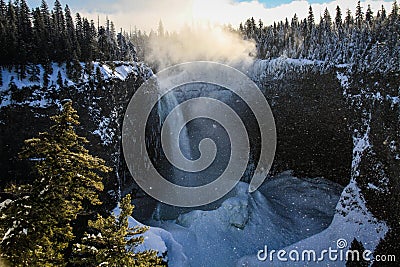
x=175 y=14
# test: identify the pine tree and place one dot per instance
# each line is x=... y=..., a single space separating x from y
x=241 y=28
x=113 y=46
x=395 y=12
x=79 y=28
x=3 y=31
x=12 y=40
x=72 y=47
x=59 y=79
x=310 y=18
x=93 y=41
x=338 y=17
x=88 y=43
x=45 y=44
x=59 y=21
x=24 y=32
x=360 y=261
x=45 y=78
x=34 y=73
x=359 y=15
x=99 y=76
x=327 y=20
x=3 y=9
x=60 y=40
x=383 y=13
x=76 y=68
x=113 y=242
x=39 y=36
x=369 y=15
x=295 y=21
x=38 y=221
x=89 y=68
x=349 y=19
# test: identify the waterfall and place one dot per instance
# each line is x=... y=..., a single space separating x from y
x=164 y=107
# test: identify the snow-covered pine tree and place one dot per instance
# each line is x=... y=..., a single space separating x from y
x=34 y=73
x=76 y=69
x=99 y=76
x=37 y=220
x=112 y=242
x=369 y=15
x=349 y=19
x=338 y=17
x=310 y=18
x=327 y=20
x=359 y=15
x=395 y=11
x=383 y=13
x=72 y=45
x=24 y=31
x=48 y=70
x=45 y=44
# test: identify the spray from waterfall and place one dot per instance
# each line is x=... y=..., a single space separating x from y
x=201 y=43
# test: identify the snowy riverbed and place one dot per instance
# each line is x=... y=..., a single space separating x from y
x=283 y=211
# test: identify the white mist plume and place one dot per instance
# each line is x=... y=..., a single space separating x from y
x=201 y=43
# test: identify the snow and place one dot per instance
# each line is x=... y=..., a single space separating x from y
x=104 y=131
x=5 y=100
x=160 y=240
x=121 y=70
x=348 y=223
x=395 y=100
x=5 y=203
x=284 y=210
x=39 y=98
x=7 y=234
x=352 y=218
x=284 y=213
x=374 y=187
x=278 y=67
x=10 y=232
x=361 y=143
x=344 y=81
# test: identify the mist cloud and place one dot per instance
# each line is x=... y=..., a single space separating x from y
x=211 y=43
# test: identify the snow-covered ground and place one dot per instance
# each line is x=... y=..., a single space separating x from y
x=120 y=70
x=352 y=220
x=278 y=67
x=40 y=96
x=283 y=211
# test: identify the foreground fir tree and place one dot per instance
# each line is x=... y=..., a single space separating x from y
x=37 y=221
x=113 y=242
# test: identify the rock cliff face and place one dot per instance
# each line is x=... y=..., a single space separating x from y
x=313 y=118
x=318 y=109
x=100 y=102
